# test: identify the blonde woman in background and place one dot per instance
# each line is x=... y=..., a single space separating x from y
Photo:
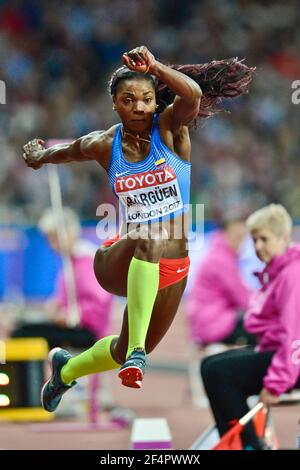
x=273 y=367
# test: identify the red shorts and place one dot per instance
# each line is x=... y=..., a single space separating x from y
x=171 y=270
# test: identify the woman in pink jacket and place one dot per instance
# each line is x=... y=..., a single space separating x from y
x=216 y=302
x=273 y=367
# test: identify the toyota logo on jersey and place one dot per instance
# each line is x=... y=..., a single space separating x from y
x=149 y=195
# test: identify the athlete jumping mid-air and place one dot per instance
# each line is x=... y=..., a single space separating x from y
x=147 y=159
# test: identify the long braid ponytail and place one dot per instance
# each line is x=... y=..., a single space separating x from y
x=218 y=79
x=228 y=78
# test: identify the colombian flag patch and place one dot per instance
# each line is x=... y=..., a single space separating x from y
x=160 y=162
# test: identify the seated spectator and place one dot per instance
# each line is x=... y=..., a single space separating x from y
x=273 y=368
x=218 y=296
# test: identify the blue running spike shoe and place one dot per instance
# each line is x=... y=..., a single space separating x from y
x=133 y=369
x=54 y=388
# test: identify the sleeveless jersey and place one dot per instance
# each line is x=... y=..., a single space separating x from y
x=154 y=189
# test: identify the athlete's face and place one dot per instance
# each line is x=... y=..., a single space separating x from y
x=267 y=244
x=135 y=103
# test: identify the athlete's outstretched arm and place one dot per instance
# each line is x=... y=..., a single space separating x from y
x=188 y=93
x=88 y=147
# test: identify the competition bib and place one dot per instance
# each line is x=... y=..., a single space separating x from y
x=146 y=196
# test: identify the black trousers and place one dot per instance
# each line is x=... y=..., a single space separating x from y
x=229 y=379
x=56 y=335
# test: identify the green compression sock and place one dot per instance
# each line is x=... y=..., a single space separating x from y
x=96 y=359
x=142 y=287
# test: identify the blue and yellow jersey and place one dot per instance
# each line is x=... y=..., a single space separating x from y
x=154 y=189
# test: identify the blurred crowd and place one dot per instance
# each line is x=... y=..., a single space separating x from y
x=56 y=59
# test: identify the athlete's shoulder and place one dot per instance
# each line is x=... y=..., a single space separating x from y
x=99 y=136
x=97 y=145
x=178 y=141
x=165 y=122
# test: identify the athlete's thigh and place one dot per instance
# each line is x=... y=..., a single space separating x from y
x=111 y=266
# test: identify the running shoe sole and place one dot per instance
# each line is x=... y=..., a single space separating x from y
x=131 y=377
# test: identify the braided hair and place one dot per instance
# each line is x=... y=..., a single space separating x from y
x=218 y=79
